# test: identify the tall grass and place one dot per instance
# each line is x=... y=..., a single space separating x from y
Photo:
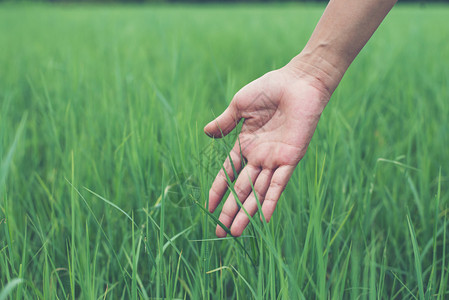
x=105 y=170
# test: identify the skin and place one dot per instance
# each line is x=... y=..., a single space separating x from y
x=281 y=109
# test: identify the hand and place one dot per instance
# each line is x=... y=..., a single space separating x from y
x=280 y=110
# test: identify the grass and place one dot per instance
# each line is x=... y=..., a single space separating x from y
x=104 y=164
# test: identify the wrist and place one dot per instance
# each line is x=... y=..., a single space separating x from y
x=319 y=71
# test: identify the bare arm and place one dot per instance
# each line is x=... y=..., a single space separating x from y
x=281 y=111
x=344 y=28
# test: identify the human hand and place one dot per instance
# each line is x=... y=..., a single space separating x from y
x=280 y=110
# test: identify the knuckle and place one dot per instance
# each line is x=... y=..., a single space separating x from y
x=226 y=214
x=238 y=190
x=270 y=200
x=221 y=176
x=277 y=185
x=261 y=195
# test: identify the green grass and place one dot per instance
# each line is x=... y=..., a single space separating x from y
x=104 y=163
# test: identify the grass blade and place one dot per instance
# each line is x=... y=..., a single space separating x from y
x=7 y=290
x=417 y=259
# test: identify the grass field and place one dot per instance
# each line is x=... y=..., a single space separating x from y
x=104 y=163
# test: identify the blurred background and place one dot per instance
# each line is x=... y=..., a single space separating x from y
x=423 y=2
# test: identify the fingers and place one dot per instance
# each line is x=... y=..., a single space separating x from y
x=260 y=187
x=278 y=183
x=242 y=189
x=220 y=184
x=224 y=123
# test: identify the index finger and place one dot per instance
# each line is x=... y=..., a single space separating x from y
x=220 y=184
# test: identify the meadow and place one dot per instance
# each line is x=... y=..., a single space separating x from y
x=104 y=166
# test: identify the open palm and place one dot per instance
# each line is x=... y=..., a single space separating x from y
x=280 y=111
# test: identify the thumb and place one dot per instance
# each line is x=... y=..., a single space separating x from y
x=224 y=123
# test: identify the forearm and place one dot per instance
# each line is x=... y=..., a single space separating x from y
x=343 y=30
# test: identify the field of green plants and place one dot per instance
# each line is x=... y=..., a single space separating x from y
x=104 y=166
